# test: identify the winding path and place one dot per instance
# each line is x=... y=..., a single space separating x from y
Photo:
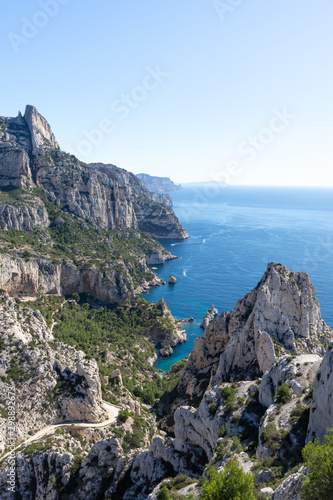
x=111 y=410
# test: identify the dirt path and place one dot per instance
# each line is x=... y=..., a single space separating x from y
x=111 y=410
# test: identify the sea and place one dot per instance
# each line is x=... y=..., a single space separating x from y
x=234 y=232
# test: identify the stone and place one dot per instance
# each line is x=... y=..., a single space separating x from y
x=321 y=410
x=288 y=490
x=117 y=378
x=166 y=351
x=209 y=317
x=191 y=319
x=303 y=367
x=172 y=280
x=40 y=130
x=263 y=477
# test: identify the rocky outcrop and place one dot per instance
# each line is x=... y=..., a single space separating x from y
x=113 y=285
x=167 y=335
x=14 y=166
x=160 y=461
x=157 y=257
x=165 y=199
x=158 y=220
x=29 y=277
x=25 y=216
x=172 y=280
x=166 y=351
x=281 y=315
x=298 y=372
x=36 y=478
x=33 y=276
x=289 y=489
x=158 y=184
x=209 y=317
x=40 y=131
x=321 y=412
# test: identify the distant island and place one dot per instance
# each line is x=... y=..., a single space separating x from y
x=159 y=184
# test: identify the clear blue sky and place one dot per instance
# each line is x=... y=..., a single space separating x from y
x=242 y=95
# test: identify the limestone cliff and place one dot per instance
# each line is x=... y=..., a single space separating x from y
x=106 y=196
x=25 y=215
x=321 y=412
x=158 y=184
x=281 y=314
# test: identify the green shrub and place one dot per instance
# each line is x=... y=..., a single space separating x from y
x=230 y=484
x=163 y=494
x=271 y=437
x=317 y=484
x=222 y=431
x=212 y=409
x=283 y=394
x=123 y=415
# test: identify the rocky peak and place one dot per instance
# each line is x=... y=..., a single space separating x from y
x=280 y=315
x=40 y=130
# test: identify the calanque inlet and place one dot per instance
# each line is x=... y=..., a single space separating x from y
x=83 y=411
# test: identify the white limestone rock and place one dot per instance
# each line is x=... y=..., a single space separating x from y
x=209 y=317
x=24 y=216
x=321 y=411
x=238 y=345
x=288 y=490
x=40 y=130
x=298 y=372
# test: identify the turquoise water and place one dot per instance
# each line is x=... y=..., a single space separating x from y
x=234 y=232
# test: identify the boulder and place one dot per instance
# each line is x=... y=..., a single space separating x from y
x=210 y=315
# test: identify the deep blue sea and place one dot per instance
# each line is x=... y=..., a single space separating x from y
x=233 y=233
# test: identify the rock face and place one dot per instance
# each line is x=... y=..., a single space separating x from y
x=239 y=345
x=288 y=490
x=171 y=336
x=156 y=257
x=165 y=199
x=14 y=166
x=321 y=411
x=209 y=316
x=172 y=280
x=298 y=372
x=166 y=351
x=106 y=196
x=34 y=276
x=40 y=130
x=24 y=217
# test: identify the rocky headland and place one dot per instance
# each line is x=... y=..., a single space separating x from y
x=47 y=195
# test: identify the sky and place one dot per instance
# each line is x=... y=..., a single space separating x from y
x=237 y=91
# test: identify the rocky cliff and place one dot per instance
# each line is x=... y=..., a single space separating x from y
x=158 y=184
x=280 y=315
x=107 y=196
x=321 y=412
